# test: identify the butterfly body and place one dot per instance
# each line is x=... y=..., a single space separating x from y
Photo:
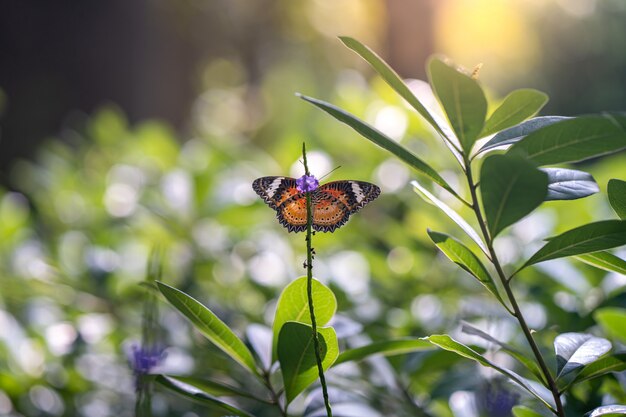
x=331 y=203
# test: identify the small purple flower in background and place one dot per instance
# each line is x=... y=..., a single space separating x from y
x=145 y=359
x=307 y=183
x=496 y=400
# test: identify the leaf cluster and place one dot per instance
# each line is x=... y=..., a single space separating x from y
x=509 y=186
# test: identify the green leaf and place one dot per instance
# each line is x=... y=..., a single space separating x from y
x=608 y=410
x=518 y=106
x=210 y=386
x=616 y=190
x=296 y=354
x=424 y=93
x=510 y=188
x=591 y=237
x=293 y=305
x=521 y=358
x=391 y=77
x=197 y=394
x=569 y=184
x=612 y=320
x=396 y=83
x=462 y=99
x=603 y=366
x=575 y=350
x=446 y=342
x=604 y=260
x=210 y=326
x=386 y=348
x=380 y=139
x=519 y=132
x=574 y=140
x=426 y=195
x=523 y=411
x=466 y=259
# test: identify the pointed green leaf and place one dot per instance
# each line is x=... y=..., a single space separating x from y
x=591 y=237
x=604 y=260
x=426 y=195
x=209 y=325
x=446 y=342
x=380 y=139
x=574 y=140
x=613 y=321
x=510 y=188
x=603 y=366
x=196 y=394
x=210 y=386
x=462 y=99
x=616 y=190
x=575 y=350
x=523 y=411
x=569 y=184
x=466 y=259
x=396 y=83
x=521 y=358
x=391 y=77
x=386 y=348
x=519 y=132
x=518 y=106
x=296 y=354
x=293 y=305
x=608 y=410
x=424 y=93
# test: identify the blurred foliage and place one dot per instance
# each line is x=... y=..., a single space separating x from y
x=82 y=218
x=75 y=243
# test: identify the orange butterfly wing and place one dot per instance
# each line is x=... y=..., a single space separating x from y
x=281 y=194
x=332 y=203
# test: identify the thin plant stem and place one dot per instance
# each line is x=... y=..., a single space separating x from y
x=309 y=284
x=404 y=390
x=150 y=334
x=274 y=395
x=517 y=313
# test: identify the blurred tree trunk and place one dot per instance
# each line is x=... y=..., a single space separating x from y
x=410 y=36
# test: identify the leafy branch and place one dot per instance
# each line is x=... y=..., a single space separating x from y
x=511 y=186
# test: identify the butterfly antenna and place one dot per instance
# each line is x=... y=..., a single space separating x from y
x=330 y=172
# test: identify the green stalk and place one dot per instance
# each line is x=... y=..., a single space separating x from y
x=274 y=395
x=517 y=313
x=309 y=283
x=149 y=328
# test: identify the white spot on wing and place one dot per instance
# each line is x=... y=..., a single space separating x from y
x=358 y=192
x=271 y=190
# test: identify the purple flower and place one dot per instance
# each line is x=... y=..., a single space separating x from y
x=307 y=183
x=495 y=400
x=144 y=359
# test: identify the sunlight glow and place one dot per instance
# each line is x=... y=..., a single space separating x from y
x=320 y=164
x=463 y=404
x=392 y=121
x=46 y=399
x=5 y=403
x=268 y=268
x=351 y=272
x=428 y=310
x=489 y=32
x=60 y=337
x=392 y=175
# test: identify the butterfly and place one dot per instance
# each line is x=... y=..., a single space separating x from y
x=331 y=203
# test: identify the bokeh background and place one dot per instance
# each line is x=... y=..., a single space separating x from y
x=125 y=125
